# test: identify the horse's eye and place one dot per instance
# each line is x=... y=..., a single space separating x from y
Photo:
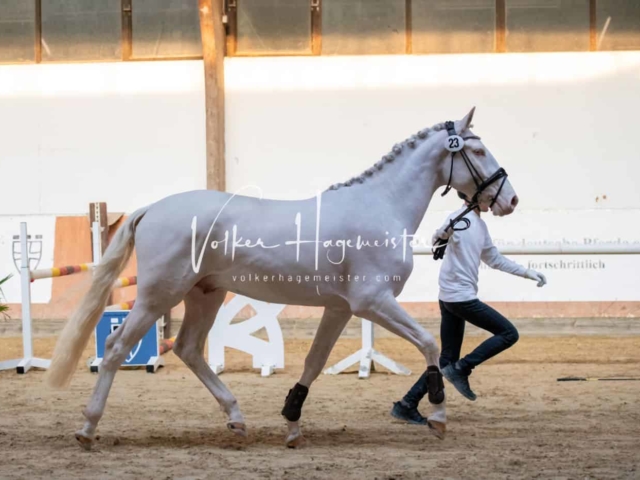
x=479 y=152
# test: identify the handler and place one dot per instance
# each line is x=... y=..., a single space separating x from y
x=459 y=303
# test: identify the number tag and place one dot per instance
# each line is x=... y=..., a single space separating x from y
x=454 y=143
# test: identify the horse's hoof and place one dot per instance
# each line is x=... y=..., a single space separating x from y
x=438 y=429
x=295 y=441
x=238 y=428
x=85 y=442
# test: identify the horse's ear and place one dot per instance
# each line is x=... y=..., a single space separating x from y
x=465 y=123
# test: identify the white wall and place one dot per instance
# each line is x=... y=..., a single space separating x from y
x=130 y=133
x=563 y=125
x=124 y=133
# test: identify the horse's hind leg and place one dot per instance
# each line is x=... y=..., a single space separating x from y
x=387 y=312
x=201 y=308
x=117 y=347
x=331 y=326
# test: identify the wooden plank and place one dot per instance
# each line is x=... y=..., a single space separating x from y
x=316 y=27
x=38 y=32
x=72 y=246
x=501 y=26
x=408 y=27
x=168 y=58
x=593 y=34
x=213 y=43
x=127 y=29
x=232 y=27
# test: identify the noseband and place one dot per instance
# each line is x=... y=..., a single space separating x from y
x=455 y=144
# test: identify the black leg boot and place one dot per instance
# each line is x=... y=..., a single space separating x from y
x=292 y=409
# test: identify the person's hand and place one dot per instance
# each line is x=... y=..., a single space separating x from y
x=536 y=276
x=442 y=233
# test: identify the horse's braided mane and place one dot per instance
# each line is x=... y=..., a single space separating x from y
x=411 y=142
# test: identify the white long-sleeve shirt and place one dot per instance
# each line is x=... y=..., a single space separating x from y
x=466 y=248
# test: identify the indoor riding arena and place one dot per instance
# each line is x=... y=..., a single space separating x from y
x=319 y=239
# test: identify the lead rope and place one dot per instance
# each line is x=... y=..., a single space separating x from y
x=441 y=245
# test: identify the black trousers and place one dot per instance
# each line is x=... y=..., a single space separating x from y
x=482 y=316
x=454 y=315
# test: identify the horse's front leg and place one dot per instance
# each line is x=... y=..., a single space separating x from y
x=387 y=312
x=331 y=326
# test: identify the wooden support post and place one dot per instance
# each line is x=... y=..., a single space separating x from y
x=501 y=26
x=232 y=27
x=408 y=11
x=127 y=29
x=38 y=32
x=213 y=45
x=316 y=27
x=593 y=33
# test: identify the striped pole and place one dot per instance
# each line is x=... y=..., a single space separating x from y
x=60 y=271
x=125 y=282
x=121 y=306
x=166 y=345
x=73 y=269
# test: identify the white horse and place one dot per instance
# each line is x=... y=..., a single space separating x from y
x=347 y=250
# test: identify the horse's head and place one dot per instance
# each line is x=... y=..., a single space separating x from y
x=470 y=168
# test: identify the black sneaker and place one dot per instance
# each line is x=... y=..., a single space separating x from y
x=459 y=380
x=407 y=414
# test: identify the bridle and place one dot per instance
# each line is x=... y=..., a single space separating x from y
x=455 y=143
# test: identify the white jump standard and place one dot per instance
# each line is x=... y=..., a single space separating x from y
x=366 y=357
x=28 y=361
x=266 y=355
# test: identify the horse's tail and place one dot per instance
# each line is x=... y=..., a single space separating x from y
x=76 y=333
